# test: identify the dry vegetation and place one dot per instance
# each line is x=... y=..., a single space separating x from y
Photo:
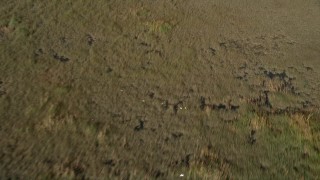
x=154 y=89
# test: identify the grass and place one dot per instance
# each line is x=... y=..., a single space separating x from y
x=79 y=118
x=280 y=139
x=159 y=26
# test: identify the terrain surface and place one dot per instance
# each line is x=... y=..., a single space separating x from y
x=138 y=89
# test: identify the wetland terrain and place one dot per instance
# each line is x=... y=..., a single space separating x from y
x=171 y=89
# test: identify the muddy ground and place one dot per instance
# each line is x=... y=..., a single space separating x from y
x=139 y=89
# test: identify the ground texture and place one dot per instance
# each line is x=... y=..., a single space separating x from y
x=138 y=89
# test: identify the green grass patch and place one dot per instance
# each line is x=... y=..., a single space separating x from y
x=159 y=26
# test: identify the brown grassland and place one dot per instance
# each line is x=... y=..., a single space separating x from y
x=137 y=89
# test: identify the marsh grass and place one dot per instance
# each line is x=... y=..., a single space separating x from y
x=301 y=123
x=78 y=119
x=159 y=26
x=207 y=165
